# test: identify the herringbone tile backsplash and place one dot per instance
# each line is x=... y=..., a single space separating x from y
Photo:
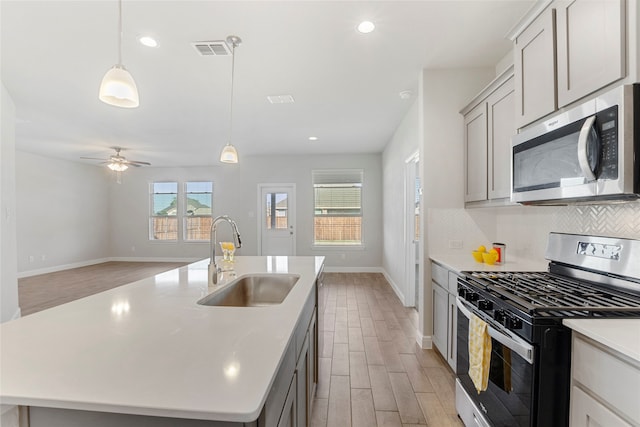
x=525 y=229
x=621 y=220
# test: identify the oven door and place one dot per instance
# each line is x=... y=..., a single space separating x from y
x=508 y=400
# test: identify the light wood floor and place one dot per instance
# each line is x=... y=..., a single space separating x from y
x=372 y=372
x=40 y=292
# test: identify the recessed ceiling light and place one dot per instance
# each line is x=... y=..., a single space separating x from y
x=313 y=138
x=366 y=27
x=405 y=94
x=148 y=41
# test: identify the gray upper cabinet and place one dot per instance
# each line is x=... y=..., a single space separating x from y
x=475 y=135
x=565 y=50
x=501 y=127
x=489 y=124
x=535 y=69
x=591 y=46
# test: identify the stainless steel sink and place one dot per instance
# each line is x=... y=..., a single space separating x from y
x=256 y=290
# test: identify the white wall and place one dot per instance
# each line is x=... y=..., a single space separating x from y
x=62 y=213
x=8 y=270
x=405 y=142
x=443 y=94
x=235 y=194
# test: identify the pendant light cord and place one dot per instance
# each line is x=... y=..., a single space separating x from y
x=120 y=33
x=233 y=62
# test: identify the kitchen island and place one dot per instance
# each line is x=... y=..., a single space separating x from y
x=147 y=354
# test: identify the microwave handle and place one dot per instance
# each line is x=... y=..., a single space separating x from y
x=583 y=139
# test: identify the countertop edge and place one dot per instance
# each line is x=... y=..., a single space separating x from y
x=625 y=339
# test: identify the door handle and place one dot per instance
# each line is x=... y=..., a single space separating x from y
x=586 y=132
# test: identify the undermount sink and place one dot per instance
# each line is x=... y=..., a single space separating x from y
x=256 y=290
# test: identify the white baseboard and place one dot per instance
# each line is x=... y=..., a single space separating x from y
x=53 y=269
x=424 y=341
x=62 y=267
x=328 y=269
x=149 y=259
x=395 y=287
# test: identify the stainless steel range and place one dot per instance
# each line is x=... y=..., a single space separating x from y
x=529 y=373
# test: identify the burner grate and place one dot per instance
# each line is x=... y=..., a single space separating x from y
x=542 y=292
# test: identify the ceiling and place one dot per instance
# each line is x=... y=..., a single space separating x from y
x=345 y=84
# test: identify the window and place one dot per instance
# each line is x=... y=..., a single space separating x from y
x=164 y=211
x=337 y=207
x=192 y=212
x=277 y=211
x=197 y=219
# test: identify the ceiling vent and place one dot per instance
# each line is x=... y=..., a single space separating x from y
x=280 y=99
x=214 y=48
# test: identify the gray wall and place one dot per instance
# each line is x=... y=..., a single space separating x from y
x=8 y=280
x=63 y=213
x=235 y=194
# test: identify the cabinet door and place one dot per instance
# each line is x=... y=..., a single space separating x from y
x=303 y=386
x=535 y=70
x=501 y=127
x=288 y=416
x=452 y=346
x=591 y=46
x=475 y=156
x=586 y=411
x=440 y=318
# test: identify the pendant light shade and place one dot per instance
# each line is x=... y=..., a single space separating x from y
x=229 y=153
x=118 y=87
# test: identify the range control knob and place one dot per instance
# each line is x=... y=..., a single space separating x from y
x=511 y=322
x=462 y=292
x=472 y=296
x=499 y=315
x=484 y=304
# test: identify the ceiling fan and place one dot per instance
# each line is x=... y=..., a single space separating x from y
x=118 y=163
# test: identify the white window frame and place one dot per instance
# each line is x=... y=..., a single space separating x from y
x=152 y=216
x=186 y=215
x=339 y=177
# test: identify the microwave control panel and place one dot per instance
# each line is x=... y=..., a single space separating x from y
x=607 y=121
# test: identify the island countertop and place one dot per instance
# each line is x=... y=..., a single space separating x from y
x=148 y=348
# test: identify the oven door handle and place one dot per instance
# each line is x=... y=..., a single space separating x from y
x=520 y=346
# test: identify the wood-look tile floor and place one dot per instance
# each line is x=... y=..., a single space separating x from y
x=44 y=291
x=371 y=370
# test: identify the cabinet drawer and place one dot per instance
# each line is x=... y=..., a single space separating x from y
x=616 y=382
x=586 y=411
x=439 y=274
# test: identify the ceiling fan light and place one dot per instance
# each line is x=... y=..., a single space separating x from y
x=117 y=167
x=118 y=88
x=229 y=154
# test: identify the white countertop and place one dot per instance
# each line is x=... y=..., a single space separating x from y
x=148 y=348
x=463 y=261
x=622 y=335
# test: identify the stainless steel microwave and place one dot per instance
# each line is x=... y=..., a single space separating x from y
x=586 y=154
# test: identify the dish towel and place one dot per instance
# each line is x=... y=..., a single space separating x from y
x=479 y=352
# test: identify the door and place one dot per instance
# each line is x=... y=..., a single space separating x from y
x=276 y=230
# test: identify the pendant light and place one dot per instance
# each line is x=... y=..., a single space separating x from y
x=229 y=153
x=118 y=87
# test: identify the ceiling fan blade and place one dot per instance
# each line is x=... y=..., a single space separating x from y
x=136 y=162
x=94 y=158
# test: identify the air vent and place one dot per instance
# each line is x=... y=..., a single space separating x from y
x=281 y=99
x=214 y=48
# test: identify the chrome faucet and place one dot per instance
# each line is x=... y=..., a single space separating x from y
x=214 y=270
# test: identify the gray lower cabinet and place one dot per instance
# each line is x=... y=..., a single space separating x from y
x=289 y=411
x=445 y=312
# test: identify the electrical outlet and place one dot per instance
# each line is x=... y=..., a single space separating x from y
x=133 y=248
x=343 y=256
x=32 y=258
x=455 y=244
x=43 y=257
